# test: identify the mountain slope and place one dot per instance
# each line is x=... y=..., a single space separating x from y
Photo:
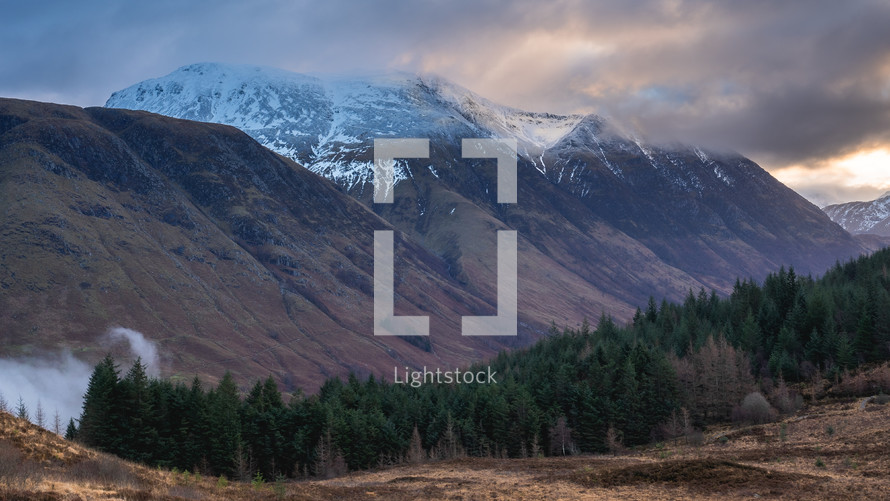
x=610 y=218
x=871 y=217
x=227 y=255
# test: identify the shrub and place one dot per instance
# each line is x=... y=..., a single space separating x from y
x=695 y=438
x=755 y=409
x=10 y=457
x=15 y=471
x=103 y=470
x=258 y=481
x=279 y=487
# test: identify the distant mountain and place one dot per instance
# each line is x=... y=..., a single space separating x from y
x=863 y=217
x=227 y=255
x=606 y=218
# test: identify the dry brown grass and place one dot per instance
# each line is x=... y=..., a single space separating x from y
x=827 y=451
x=752 y=461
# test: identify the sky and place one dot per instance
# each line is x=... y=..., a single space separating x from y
x=800 y=86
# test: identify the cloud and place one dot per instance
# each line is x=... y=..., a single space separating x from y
x=139 y=347
x=57 y=381
x=859 y=176
x=787 y=83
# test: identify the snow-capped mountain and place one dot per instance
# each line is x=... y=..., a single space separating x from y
x=328 y=124
x=604 y=218
x=863 y=217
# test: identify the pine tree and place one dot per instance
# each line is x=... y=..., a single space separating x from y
x=651 y=311
x=98 y=425
x=750 y=335
x=846 y=356
x=262 y=417
x=865 y=344
x=71 y=431
x=192 y=432
x=224 y=426
x=592 y=410
x=830 y=342
x=21 y=411
x=134 y=409
x=628 y=404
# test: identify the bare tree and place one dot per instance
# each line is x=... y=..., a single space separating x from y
x=449 y=446
x=329 y=460
x=613 y=441
x=561 y=438
x=57 y=423
x=4 y=405
x=40 y=417
x=416 y=453
x=686 y=421
x=672 y=427
x=786 y=400
x=717 y=376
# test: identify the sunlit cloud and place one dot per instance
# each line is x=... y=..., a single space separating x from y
x=863 y=175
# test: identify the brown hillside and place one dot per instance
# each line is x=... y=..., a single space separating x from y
x=227 y=255
x=826 y=451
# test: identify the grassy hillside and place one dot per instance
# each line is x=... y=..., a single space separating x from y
x=833 y=449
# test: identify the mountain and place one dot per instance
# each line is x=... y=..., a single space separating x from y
x=863 y=217
x=228 y=256
x=233 y=257
x=604 y=219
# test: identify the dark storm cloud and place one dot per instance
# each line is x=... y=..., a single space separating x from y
x=794 y=83
x=786 y=82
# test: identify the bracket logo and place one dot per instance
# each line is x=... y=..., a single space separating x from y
x=386 y=323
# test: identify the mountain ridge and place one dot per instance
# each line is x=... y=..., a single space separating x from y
x=230 y=255
x=619 y=180
x=870 y=217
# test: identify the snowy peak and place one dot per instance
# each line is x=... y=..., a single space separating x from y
x=328 y=123
x=535 y=131
x=228 y=94
x=863 y=217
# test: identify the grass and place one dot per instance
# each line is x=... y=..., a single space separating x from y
x=731 y=462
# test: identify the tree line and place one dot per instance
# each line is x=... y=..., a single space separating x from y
x=674 y=367
x=547 y=400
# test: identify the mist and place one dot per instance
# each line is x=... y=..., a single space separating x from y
x=57 y=381
x=139 y=347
